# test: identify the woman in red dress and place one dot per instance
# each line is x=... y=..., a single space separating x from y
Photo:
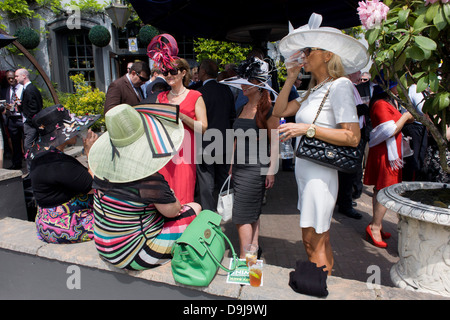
x=384 y=161
x=180 y=172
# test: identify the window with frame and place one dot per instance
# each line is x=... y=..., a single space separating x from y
x=81 y=57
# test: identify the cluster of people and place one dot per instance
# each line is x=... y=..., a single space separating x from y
x=136 y=196
x=22 y=101
x=143 y=186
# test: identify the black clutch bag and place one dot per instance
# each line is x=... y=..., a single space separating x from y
x=341 y=158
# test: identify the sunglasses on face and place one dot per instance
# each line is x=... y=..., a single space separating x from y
x=173 y=72
x=143 y=79
x=364 y=79
x=307 y=51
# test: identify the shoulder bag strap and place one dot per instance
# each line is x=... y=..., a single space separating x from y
x=216 y=261
x=322 y=103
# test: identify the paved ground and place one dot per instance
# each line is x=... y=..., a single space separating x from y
x=281 y=242
x=280 y=236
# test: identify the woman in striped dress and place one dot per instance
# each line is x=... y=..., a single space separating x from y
x=136 y=224
x=137 y=216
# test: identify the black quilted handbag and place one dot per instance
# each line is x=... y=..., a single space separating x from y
x=345 y=159
x=341 y=158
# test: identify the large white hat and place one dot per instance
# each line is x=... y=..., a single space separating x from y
x=353 y=53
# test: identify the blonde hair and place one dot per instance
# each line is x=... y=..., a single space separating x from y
x=335 y=69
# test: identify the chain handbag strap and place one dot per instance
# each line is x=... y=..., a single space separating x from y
x=322 y=103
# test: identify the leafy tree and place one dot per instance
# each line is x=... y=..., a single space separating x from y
x=221 y=51
x=411 y=45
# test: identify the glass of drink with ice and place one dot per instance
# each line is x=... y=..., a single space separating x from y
x=251 y=253
x=255 y=273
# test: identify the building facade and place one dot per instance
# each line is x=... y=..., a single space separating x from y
x=65 y=48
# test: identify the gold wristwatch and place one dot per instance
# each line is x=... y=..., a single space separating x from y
x=311 y=132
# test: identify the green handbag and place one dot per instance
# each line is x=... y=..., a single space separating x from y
x=198 y=253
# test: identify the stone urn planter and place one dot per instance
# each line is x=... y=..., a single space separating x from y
x=423 y=239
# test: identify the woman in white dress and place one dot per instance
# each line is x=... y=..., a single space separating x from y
x=329 y=55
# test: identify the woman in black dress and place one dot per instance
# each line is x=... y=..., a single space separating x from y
x=255 y=159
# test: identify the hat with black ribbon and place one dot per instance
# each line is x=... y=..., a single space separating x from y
x=251 y=69
x=138 y=142
x=55 y=126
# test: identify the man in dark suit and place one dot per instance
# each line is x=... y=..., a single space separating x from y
x=219 y=101
x=30 y=105
x=157 y=85
x=14 y=121
x=127 y=89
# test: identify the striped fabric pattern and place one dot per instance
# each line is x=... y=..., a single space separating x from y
x=159 y=139
x=134 y=236
x=164 y=111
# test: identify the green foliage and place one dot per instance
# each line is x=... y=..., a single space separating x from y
x=27 y=10
x=27 y=37
x=412 y=47
x=411 y=44
x=86 y=100
x=146 y=34
x=221 y=51
x=99 y=36
x=88 y=6
x=16 y=9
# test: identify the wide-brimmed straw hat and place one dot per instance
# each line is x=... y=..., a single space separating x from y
x=55 y=126
x=138 y=142
x=252 y=68
x=353 y=53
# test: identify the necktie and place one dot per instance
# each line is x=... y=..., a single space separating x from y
x=13 y=94
x=14 y=99
x=139 y=92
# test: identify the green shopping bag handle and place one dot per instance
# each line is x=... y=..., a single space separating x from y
x=235 y=258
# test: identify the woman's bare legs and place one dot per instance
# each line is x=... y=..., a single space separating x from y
x=379 y=211
x=248 y=233
x=318 y=248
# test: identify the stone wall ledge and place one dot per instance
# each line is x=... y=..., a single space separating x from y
x=20 y=236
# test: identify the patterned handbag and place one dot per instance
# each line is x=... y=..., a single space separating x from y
x=342 y=158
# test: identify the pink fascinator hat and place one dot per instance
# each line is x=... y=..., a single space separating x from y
x=163 y=50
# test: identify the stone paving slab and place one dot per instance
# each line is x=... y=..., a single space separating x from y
x=20 y=236
x=280 y=238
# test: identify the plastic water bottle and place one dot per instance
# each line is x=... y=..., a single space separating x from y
x=286 y=150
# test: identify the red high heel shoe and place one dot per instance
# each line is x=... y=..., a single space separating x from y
x=379 y=244
x=385 y=235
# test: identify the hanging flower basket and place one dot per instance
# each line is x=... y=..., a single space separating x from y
x=146 y=34
x=99 y=36
x=27 y=37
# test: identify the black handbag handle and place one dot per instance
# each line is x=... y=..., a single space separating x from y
x=217 y=262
